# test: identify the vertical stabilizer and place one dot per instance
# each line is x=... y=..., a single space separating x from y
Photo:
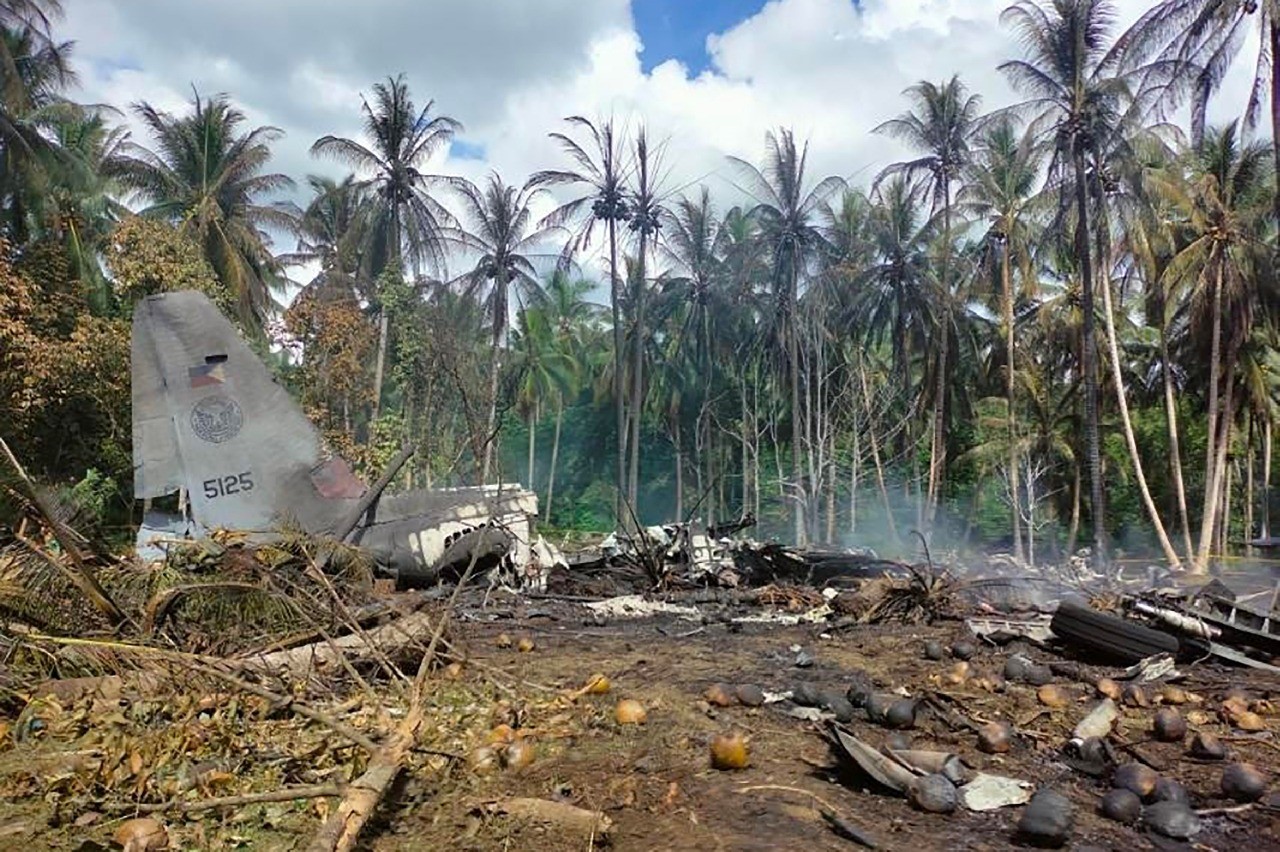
x=209 y=417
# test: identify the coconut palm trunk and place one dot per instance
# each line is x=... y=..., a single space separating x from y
x=1209 y=515
x=619 y=398
x=938 y=445
x=1273 y=40
x=1175 y=445
x=1266 y=475
x=1015 y=501
x=1250 y=496
x=1088 y=356
x=875 y=455
x=797 y=414
x=555 y=457
x=675 y=434
x=1117 y=377
x=380 y=365
x=533 y=431
x=495 y=370
x=637 y=380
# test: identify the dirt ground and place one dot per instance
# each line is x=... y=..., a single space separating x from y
x=654 y=781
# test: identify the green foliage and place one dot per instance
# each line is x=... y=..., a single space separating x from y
x=64 y=375
x=787 y=348
x=149 y=256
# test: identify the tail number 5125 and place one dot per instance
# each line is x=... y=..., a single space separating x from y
x=224 y=486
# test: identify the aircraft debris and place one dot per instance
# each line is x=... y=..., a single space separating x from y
x=212 y=426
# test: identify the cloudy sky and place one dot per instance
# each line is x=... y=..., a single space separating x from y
x=707 y=76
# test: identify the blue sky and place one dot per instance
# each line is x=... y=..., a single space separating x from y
x=678 y=29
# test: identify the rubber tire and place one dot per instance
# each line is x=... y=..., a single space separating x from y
x=1107 y=635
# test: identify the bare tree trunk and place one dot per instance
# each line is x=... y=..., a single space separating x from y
x=875 y=456
x=853 y=482
x=1225 y=427
x=637 y=381
x=679 y=474
x=797 y=426
x=1006 y=281
x=1224 y=528
x=1089 y=357
x=1073 y=531
x=831 y=501
x=495 y=370
x=533 y=431
x=1117 y=376
x=1273 y=38
x=1175 y=451
x=1249 y=491
x=379 y=368
x=619 y=402
x=938 y=442
x=709 y=459
x=1266 y=475
x=555 y=456
x=428 y=433
x=1031 y=516
x=1211 y=477
x=746 y=451
x=755 y=443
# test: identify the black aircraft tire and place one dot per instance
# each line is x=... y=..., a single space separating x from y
x=1109 y=635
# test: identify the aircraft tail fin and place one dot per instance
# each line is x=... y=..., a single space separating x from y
x=210 y=418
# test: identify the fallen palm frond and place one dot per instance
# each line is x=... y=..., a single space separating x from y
x=71 y=561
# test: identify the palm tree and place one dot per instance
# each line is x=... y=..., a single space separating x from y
x=1077 y=94
x=499 y=228
x=692 y=247
x=405 y=227
x=940 y=124
x=1150 y=246
x=572 y=318
x=893 y=298
x=1000 y=192
x=329 y=233
x=645 y=218
x=787 y=210
x=34 y=72
x=82 y=197
x=34 y=18
x=601 y=171
x=1222 y=205
x=1201 y=39
x=207 y=177
x=547 y=371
